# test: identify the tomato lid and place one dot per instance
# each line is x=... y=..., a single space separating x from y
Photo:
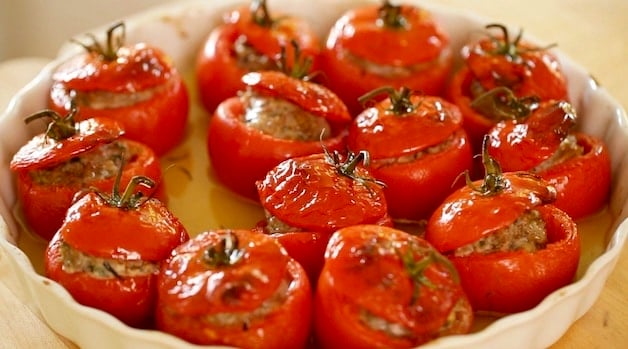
x=310 y=193
x=148 y=233
x=309 y=96
x=42 y=151
x=414 y=38
x=136 y=68
x=224 y=271
x=388 y=134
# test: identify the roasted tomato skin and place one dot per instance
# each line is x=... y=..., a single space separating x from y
x=582 y=179
x=147 y=234
x=365 y=274
x=157 y=116
x=241 y=155
x=313 y=199
x=44 y=205
x=414 y=188
x=218 y=69
x=192 y=291
x=510 y=282
x=415 y=54
x=513 y=279
x=499 y=61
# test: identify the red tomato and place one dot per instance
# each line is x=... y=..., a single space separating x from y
x=545 y=143
x=307 y=198
x=237 y=288
x=108 y=251
x=250 y=39
x=510 y=246
x=279 y=117
x=500 y=61
x=72 y=156
x=136 y=85
x=385 y=45
x=418 y=148
x=383 y=288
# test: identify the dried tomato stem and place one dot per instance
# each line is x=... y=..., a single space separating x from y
x=113 y=43
x=501 y=103
x=61 y=127
x=225 y=253
x=390 y=16
x=493 y=179
x=400 y=100
x=301 y=64
x=260 y=13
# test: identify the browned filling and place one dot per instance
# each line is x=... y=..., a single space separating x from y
x=282 y=119
x=393 y=71
x=527 y=233
x=276 y=226
x=75 y=261
x=411 y=157
x=99 y=99
x=99 y=163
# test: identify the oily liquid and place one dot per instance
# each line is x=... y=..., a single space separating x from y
x=201 y=203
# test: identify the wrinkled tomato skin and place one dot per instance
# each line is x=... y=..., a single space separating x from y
x=101 y=231
x=582 y=183
x=422 y=45
x=159 y=122
x=217 y=69
x=130 y=300
x=350 y=283
x=44 y=205
x=182 y=310
x=509 y=282
x=414 y=190
x=240 y=155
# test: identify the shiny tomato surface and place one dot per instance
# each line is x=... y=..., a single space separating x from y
x=234 y=287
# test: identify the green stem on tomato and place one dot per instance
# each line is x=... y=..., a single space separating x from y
x=400 y=100
x=114 y=42
x=130 y=198
x=493 y=182
x=261 y=15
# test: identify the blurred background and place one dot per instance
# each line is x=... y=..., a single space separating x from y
x=37 y=28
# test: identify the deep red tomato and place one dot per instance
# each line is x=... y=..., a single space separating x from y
x=136 y=85
x=500 y=61
x=385 y=45
x=279 y=116
x=384 y=288
x=250 y=39
x=307 y=198
x=72 y=156
x=510 y=246
x=108 y=251
x=237 y=288
x=418 y=148
x=545 y=143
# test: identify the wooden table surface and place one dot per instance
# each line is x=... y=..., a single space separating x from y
x=593 y=33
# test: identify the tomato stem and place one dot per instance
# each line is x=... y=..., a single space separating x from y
x=301 y=64
x=511 y=49
x=493 y=182
x=501 y=103
x=130 y=198
x=260 y=13
x=389 y=16
x=400 y=100
x=113 y=43
x=61 y=127
x=225 y=253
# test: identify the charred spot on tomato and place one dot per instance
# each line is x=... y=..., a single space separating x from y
x=282 y=119
x=76 y=261
x=527 y=233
